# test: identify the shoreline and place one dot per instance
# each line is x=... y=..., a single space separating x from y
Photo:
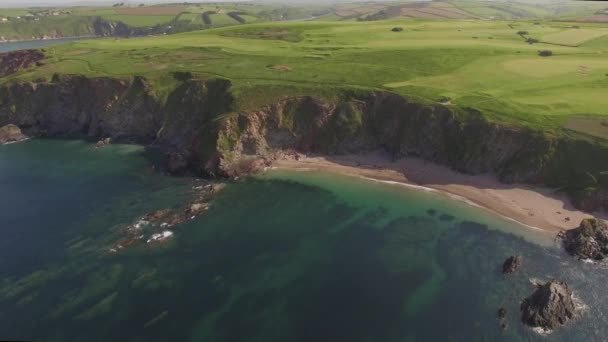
x=532 y=207
x=47 y=39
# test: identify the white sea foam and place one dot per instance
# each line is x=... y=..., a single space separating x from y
x=450 y=195
x=160 y=236
x=406 y=185
x=542 y=331
x=14 y=142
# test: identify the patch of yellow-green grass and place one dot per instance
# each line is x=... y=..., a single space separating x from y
x=220 y=19
x=574 y=36
x=13 y=12
x=535 y=67
x=140 y=20
x=597 y=127
x=249 y=18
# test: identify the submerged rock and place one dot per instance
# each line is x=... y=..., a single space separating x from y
x=512 y=264
x=550 y=306
x=11 y=133
x=502 y=313
x=197 y=208
x=588 y=241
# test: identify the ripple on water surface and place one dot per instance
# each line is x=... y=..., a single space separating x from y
x=286 y=256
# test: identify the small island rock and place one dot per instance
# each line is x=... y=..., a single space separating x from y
x=588 y=241
x=550 y=306
x=512 y=264
x=11 y=133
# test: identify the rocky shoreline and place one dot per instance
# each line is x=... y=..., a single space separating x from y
x=185 y=130
x=11 y=134
x=587 y=242
x=44 y=38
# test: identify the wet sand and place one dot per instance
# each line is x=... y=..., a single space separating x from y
x=534 y=207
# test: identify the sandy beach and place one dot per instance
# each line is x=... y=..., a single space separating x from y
x=536 y=207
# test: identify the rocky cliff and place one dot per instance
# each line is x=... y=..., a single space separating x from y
x=197 y=129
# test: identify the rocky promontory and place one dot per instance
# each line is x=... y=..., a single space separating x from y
x=588 y=241
x=10 y=134
x=549 y=307
x=13 y=61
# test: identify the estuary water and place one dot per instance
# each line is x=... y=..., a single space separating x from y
x=36 y=44
x=283 y=256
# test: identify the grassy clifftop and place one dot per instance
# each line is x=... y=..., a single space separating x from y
x=482 y=65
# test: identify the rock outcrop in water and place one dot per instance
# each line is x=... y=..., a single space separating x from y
x=588 y=241
x=512 y=264
x=10 y=134
x=550 y=306
x=197 y=129
x=154 y=227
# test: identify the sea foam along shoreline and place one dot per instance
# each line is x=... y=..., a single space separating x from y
x=531 y=207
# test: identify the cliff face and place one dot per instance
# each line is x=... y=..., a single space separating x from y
x=196 y=129
x=71 y=106
x=464 y=141
x=103 y=28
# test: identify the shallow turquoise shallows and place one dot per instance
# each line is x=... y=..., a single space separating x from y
x=283 y=256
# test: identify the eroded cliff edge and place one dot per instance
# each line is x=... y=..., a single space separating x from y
x=197 y=127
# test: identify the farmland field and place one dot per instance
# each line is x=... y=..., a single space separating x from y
x=151 y=10
x=140 y=20
x=574 y=37
x=220 y=19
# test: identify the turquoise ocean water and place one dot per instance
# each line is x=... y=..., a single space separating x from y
x=283 y=256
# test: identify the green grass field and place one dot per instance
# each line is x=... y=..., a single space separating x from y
x=140 y=20
x=77 y=21
x=12 y=12
x=221 y=19
x=479 y=64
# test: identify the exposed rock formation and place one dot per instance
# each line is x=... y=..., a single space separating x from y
x=103 y=142
x=197 y=129
x=155 y=224
x=104 y=28
x=11 y=62
x=512 y=264
x=588 y=241
x=550 y=306
x=11 y=133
